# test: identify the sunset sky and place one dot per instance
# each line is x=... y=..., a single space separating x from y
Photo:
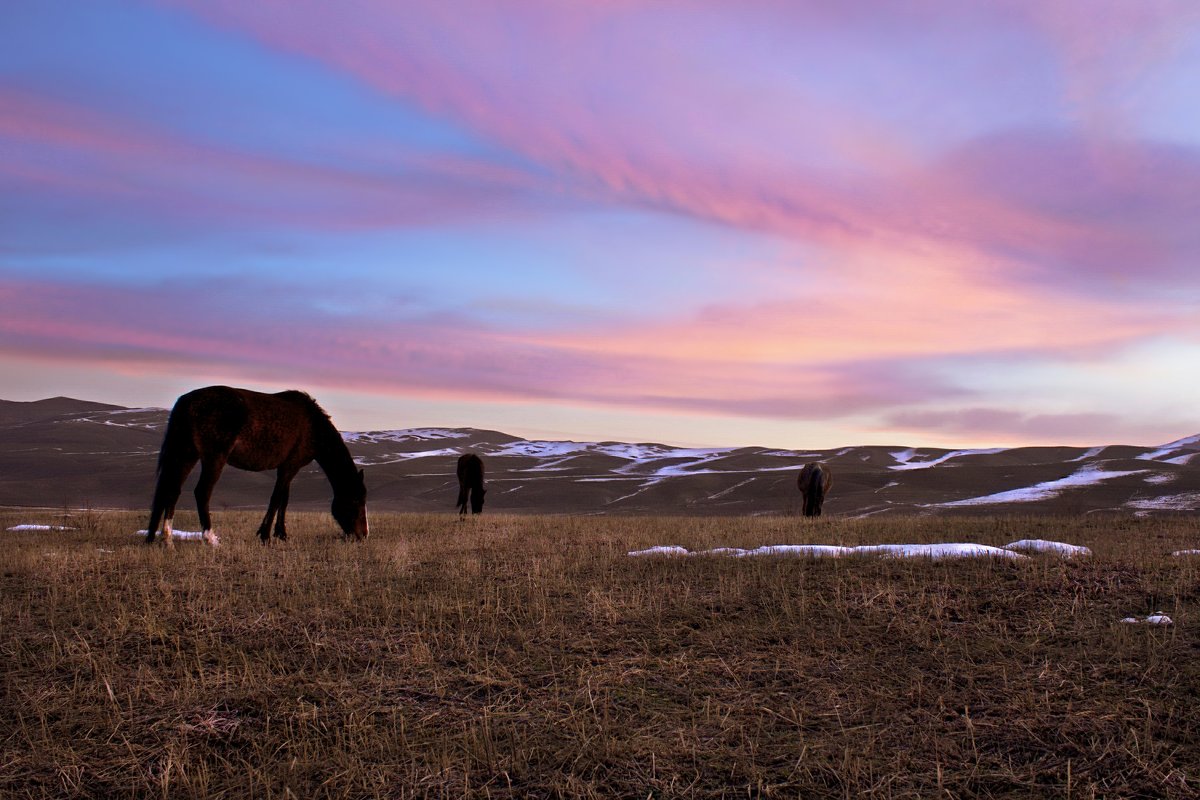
x=772 y=222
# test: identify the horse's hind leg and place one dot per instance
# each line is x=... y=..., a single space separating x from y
x=264 y=530
x=210 y=471
x=171 y=476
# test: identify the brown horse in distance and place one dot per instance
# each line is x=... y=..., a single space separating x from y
x=814 y=482
x=220 y=425
x=470 y=483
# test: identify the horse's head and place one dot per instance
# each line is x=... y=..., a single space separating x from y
x=350 y=507
x=477 y=500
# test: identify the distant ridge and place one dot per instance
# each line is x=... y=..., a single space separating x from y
x=14 y=411
x=68 y=452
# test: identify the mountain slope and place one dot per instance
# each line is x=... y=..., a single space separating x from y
x=71 y=452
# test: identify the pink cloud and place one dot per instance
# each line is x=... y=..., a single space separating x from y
x=59 y=147
x=425 y=356
x=587 y=91
x=992 y=424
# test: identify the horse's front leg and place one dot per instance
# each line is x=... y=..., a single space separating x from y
x=210 y=471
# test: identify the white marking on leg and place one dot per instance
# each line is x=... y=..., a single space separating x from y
x=212 y=538
x=167 y=529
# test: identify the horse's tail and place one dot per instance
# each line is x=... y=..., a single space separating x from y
x=814 y=494
x=172 y=457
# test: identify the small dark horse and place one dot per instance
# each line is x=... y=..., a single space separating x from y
x=470 y=482
x=814 y=482
x=219 y=425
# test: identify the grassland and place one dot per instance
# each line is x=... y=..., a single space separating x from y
x=529 y=657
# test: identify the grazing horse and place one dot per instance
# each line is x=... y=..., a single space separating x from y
x=814 y=482
x=220 y=425
x=470 y=482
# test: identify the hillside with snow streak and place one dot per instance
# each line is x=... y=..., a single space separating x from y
x=70 y=452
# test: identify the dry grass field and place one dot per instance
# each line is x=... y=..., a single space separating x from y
x=530 y=657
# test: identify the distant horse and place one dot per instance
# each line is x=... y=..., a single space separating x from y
x=470 y=482
x=814 y=482
x=220 y=425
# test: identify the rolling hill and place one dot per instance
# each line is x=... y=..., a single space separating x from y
x=63 y=452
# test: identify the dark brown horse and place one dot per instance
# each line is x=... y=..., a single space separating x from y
x=470 y=483
x=814 y=482
x=219 y=425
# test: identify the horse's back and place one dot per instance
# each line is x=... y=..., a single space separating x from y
x=204 y=414
x=815 y=474
x=255 y=430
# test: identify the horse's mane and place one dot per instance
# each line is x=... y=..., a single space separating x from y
x=331 y=447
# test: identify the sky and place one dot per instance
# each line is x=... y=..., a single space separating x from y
x=790 y=223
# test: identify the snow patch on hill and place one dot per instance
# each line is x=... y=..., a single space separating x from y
x=1045 y=490
x=1185 y=501
x=1170 y=453
x=904 y=458
x=395 y=458
x=405 y=435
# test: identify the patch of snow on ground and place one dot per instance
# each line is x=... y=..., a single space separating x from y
x=538 y=449
x=1186 y=501
x=1047 y=546
x=116 y=423
x=810 y=550
x=1172 y=447
x=553 y=465
x=639 y=453
x=736 y=552
x=606 y=478
x=904 y=457
x=1090 y=453
x=931 y=551
x=661 y=550
x=936 y=551
x=178 y=534
x=646 y=484
x=403 y=435
x=30 y=527
x=1043 y=491
x=1159 y=477
x=655 y=452
x=1157 y=618
x=724 y=492
x=1186 y=553
x=690 y=467
x=396 y=458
